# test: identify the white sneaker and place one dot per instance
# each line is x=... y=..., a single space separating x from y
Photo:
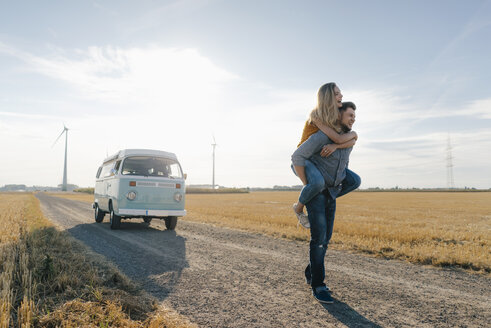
x=303 y=219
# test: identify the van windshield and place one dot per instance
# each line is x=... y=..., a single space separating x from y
x=151 y=166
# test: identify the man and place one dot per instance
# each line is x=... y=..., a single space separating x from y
x=322 y=208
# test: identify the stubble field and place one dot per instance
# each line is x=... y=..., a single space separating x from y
x=436 y=228
x=48 y=279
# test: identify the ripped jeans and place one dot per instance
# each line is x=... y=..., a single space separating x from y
x=322 y=209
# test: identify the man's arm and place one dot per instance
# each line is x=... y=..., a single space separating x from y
x=333 y=135
x=327 y=150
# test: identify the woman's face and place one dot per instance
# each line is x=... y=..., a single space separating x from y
x=339 y=97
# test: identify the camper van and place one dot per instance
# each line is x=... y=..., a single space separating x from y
x=140 y=183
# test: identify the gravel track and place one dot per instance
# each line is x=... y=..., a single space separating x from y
x=220 y=277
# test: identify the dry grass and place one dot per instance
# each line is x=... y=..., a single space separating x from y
x=438 y=228
x=50 y=280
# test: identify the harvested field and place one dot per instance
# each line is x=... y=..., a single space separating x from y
x=48 y=279
x=223 y=277
x=436 y=228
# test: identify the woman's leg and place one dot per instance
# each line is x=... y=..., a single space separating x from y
x=315 y=185
x=350 y=183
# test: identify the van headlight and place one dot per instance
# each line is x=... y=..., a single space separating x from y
x=177 y=197
x=131 y=195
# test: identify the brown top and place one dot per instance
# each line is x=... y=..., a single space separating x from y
x=308 y=130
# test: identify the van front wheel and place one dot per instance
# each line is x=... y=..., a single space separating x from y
x=115 y=220
x=98 y=214
x=170 y=222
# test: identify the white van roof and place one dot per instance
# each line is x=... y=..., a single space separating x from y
x=140 y=152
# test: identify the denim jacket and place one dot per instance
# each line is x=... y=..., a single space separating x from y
x=332 y=168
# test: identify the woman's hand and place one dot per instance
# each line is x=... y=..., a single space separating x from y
x=327 y=150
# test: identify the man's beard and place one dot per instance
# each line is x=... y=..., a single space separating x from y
x=345 y=128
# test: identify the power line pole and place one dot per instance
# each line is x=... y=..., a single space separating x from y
x=450 y=181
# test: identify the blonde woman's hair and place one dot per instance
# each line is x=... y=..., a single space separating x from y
x=326 y=111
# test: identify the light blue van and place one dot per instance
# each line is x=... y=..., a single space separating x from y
x=140 y=183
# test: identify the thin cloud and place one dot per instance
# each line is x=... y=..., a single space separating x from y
x=377 y=109
x=29 y=116
x=152 y=75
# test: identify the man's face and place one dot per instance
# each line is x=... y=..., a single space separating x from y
x=348 y=118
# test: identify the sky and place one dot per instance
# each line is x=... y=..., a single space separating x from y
x=173 y=75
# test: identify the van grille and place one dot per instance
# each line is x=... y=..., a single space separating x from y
x=167 y=185
x=155 y=184
x=146 y=184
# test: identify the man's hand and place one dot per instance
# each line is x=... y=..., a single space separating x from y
x=327 y=150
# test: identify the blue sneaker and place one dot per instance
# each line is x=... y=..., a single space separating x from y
x=321 y=293
x=308 y=278
x=309 y=282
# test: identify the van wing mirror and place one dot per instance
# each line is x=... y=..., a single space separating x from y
x=185 y=175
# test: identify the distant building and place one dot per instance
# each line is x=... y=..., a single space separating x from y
x=69 y=187
x=14 y=187
x=204 y=186
x=22 y=187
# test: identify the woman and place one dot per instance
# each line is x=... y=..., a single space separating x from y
x=324 y=117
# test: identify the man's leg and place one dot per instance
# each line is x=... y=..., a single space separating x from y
x=350 y=183
x=330 y=209
x=330 y=215
x=320 y=231
x=318 y=238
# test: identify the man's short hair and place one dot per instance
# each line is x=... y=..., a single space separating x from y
x=346 y=105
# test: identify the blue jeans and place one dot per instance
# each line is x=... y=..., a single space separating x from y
x=321 y=209
x=315 y=183
x=350 y=183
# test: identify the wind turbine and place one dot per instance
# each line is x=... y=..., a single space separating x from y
x=214 y=144
x=65 y=131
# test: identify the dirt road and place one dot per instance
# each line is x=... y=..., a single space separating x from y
x=225 y=278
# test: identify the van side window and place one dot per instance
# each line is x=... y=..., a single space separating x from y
x=114 y=170
x=106 y=170
x=98 y=172
x=174 y=170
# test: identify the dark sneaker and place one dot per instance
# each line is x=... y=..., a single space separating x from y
x=308 y=278
x=309 y=282
x=321 y=293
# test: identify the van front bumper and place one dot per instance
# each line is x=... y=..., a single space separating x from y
x=126 y=211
